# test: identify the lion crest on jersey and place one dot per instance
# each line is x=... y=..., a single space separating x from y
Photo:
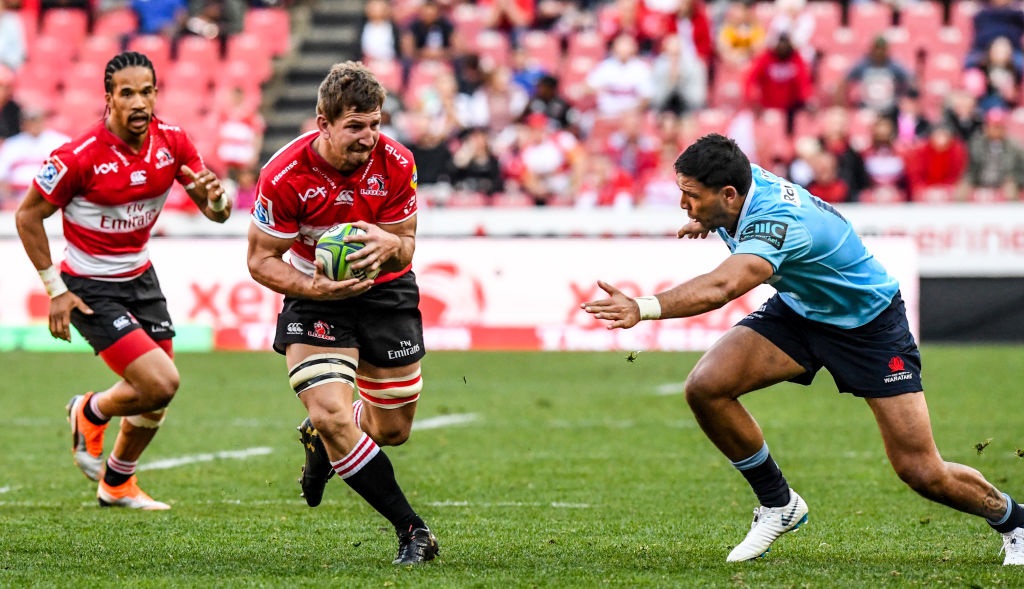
x=163 y=158
x=376 y=186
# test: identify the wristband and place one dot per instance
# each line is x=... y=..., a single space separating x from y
x=650 y=308
x=219 y=204
x=53 y=282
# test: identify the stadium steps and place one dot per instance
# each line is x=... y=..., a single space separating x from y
x=331 y=36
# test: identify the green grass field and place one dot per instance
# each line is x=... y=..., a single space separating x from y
x=558 y=470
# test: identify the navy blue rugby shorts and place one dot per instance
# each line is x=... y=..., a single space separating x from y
x=384 y=323
x=878 y=359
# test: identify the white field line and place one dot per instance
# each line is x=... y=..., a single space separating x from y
x=5 y=489
x=445 y=421
x=193 y=459
x=554 y=504
x=669 y=388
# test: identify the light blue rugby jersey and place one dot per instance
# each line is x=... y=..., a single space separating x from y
x=822 y=269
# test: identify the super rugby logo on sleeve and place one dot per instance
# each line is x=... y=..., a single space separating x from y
x=771 y=232
x=263 y=211
x=50 y=174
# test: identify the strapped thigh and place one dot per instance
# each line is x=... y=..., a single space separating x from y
x=391 y=393
x=318 y=369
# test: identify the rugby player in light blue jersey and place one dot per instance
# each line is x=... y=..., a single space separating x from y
x=836 y=307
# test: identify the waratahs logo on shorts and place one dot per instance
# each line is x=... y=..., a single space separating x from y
x=376 y=186
x=163 y=158
x=771 y=232
x=50 y=174
x=897 y=371
x=321 y=330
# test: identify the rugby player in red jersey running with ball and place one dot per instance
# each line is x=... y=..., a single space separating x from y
x=340 y=335
x=110 y=184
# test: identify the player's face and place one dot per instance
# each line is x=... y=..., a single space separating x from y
x=707 y=206
x=348 y=141
x=131 y=103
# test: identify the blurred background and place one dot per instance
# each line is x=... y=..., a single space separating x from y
x=559 y=121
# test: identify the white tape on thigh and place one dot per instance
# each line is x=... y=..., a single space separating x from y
x=389 y=393
x=147 y=422
x=321 y=369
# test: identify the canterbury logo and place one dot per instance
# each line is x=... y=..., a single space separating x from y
x=788 y=517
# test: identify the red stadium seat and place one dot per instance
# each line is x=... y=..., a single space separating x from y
x=827 y=17
x=156 y=47
x=188 y=76
x=238 y=74
x=389 y=72
x=832 y=71
x=117 y=23
x=469 y=22
x=271 y=24
x=36 y=78
x=494 y=48
x=573 y=82
x=934 y=195
x=869 y=18
x=902 y=47
x=200 y=50
x=588 y=44
x=713 y=120
x=96 y=50
x=942 y=72
x=921 y=16
x=84 y=76
x=84 y=105
x=961 y=14
x=51 y=53
x=69 y=24
x=252 y=51
x=544 y=49
x=181 y=106
x=727 y=89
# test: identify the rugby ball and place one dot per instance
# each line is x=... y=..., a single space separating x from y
x=331 y=249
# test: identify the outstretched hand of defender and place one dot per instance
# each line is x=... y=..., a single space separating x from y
x=693 y=230
x=60 y=314
x=379 y=246
x=332 y=290
x=620 y=310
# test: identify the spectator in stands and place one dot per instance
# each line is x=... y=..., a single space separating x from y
x=160 y=17
x=779 y=78
x=995 y=161
x=469 y=73
x=801 y=168
x=502 y=100
x=622 y=17
x=886 y=163
x=380 y=38
x=215 y=19
x=429 y=146
x=658 y=189
x=826 y=183
x=429 y=34
x=23 y=154
x=604 y=184
x=10 y=110
x=446 y=111
x=912 y=125
x=622 y=81
x=877 y=81
x=526 y=71
x=938 y=164
x=962 y=115
x=12 y=38
x=680 y=77
x=693 y=25
x=632 y=147
x=835 y=138
x=741 y=35
x=475 y=168
x=240 y=134
x=994 y=19
x=792 y=18
x=550 y=162
x=511 y=17
x=547 y=101
x=998 y=80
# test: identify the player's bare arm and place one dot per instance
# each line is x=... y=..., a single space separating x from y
x=389 y=247
x=734 y=277
x=29 y=219
x=208 y=194
x=267 y=267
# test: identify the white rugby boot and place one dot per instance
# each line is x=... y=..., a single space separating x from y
x=1013 y=546
x=770 y=523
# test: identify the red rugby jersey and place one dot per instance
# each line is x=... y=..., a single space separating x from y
x=301 y=195
x=111 y=196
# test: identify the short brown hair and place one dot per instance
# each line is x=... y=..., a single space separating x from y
x=349 y=85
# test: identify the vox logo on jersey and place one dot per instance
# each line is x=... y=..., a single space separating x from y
x=771 y=232
x=104 y=168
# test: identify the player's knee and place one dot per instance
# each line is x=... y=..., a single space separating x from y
x=158 y=390
x=699 y=389
x=331 y=422
x=926 y=477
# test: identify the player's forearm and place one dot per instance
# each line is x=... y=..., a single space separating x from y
x=402 y=257
x=33 y=238
x=279 y=276
x=700 y=295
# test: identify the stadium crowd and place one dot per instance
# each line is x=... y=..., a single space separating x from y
x=587 y=103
